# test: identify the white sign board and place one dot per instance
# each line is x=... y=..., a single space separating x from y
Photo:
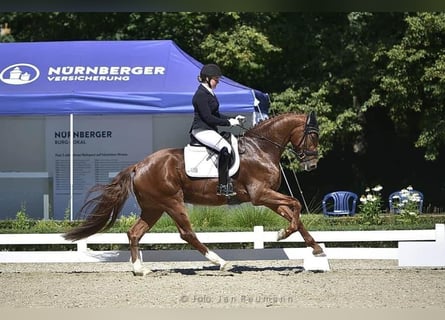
x=101 y=144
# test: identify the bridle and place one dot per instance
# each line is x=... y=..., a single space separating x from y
x=309 y=129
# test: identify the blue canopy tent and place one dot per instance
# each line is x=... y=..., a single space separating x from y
x=108 y=78
x=105 y=77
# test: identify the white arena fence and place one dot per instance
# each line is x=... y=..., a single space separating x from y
x=415 y=247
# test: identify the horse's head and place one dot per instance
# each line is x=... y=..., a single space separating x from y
x=305 y=143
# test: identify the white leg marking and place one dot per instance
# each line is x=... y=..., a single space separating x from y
x=281 y=234
x=215 y=259
x=138 y=269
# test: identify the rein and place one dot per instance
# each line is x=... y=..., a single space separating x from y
x=308 y=129
x=276 y=144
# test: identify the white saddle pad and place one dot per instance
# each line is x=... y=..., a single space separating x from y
x=201 y=162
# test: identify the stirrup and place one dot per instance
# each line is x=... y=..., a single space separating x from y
x=225 y=190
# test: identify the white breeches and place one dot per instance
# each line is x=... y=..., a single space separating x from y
x=212 y=139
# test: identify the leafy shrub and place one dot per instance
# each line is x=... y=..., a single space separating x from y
x=124 y=223
x=238 y=218
x=22 y=221
x=207 y=217
x=165 y=224
x=250 y=216
x=46 y=226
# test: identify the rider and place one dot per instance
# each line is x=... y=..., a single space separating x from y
x=205 y=122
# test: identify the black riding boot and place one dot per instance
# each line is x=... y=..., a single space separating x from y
x=225 y=187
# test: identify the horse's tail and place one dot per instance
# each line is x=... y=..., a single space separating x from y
x=102 y=210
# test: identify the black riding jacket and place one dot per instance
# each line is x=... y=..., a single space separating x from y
x=207 y=116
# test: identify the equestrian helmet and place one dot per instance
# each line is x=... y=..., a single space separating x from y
x=210 y=71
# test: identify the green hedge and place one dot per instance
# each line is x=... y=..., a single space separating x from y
x=237 y=218
x=217 y=219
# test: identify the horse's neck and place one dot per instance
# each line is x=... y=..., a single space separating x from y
x=280 y=131
x=273 y=136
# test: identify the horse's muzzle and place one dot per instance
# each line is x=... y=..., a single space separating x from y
x=309 y=165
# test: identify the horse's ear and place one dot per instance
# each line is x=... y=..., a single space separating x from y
x=312 y=119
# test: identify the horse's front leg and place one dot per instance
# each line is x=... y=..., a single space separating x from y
x=290 y=209
x=316 y=249
x=292 y=214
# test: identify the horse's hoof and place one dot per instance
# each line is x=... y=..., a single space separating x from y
x=139 y=270
x=317 y=253
x=281 y=234
x=224 y=266
x=141 y=273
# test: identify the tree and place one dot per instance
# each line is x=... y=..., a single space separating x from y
x=325 y=72
x=411 y=82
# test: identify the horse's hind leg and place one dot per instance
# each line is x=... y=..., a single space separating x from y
x=142 y=225
x=179 y=215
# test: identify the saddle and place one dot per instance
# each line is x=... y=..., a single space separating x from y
x=202 y=161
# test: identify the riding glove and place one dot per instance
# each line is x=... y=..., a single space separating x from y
x=240 y=118
x=234 y=122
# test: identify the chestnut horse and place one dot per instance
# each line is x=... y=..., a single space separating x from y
x=160 y=185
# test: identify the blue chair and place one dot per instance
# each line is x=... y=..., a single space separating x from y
x=398 y=197
x=339 y=203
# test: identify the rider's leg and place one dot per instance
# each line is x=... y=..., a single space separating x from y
x=213 y=140
x=223 y=166
x=225 y=187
